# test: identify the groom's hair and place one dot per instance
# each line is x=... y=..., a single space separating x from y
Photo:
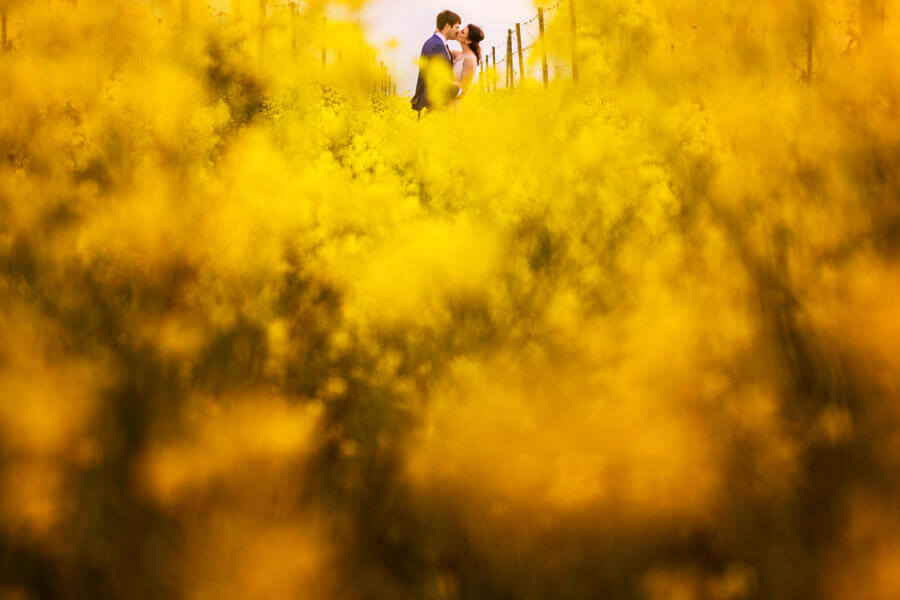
x=447 y=17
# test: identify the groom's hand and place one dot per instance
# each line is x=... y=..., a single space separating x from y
x=437 y=77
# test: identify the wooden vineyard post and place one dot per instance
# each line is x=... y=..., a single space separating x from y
x=543 y=47
x=262 y=24
x=509 y=72
x=872 y=18
x=810 y=35
x=492 y=67
x=574 y=23
x=293 y=6
x=324 y=50
x=494 y=77
x=481 y=75
x=521 y=59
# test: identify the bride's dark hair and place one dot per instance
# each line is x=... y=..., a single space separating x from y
x=476 y=35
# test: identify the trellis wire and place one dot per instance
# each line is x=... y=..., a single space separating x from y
x=509 y=59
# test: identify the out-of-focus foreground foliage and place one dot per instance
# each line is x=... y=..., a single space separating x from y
x=267 y=336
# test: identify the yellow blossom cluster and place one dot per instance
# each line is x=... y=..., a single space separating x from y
x=266 y=334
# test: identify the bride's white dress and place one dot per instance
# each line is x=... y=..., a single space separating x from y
x=458 y=70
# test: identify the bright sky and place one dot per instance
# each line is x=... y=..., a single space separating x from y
x=411 y=22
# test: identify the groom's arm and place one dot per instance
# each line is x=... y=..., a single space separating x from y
x=437 y=67
x=433 y=49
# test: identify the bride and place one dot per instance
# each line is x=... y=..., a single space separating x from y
x=465 y=63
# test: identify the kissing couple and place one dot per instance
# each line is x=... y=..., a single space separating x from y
x=446 y=74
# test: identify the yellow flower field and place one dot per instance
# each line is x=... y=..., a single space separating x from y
x=631 y=337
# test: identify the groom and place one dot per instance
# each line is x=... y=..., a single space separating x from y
x=435 y=86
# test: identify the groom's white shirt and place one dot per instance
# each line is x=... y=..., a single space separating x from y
x=443 y=39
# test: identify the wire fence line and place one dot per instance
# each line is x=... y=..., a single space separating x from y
x=514 y=61
x=517 y=54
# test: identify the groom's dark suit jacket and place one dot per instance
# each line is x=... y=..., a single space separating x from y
x=434 y=49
